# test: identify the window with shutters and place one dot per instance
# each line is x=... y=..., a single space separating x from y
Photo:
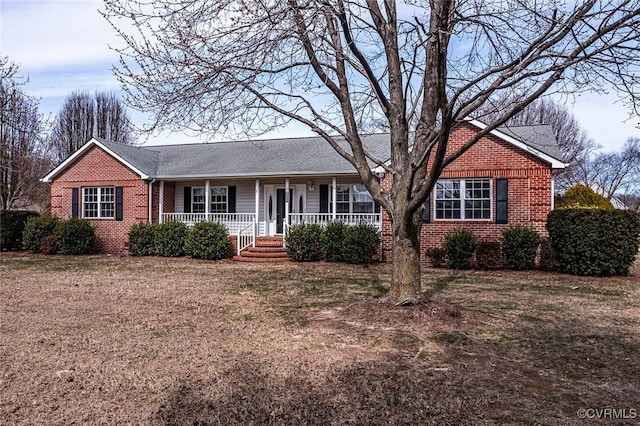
x=98 y=202
x=197 y=200
x=218 y=199
x=352 y=199
x=463 y=199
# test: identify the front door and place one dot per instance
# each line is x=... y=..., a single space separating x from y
x=280 y=207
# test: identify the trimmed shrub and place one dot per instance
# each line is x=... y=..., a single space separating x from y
x=458 y=246
x=436 y=255
x=332 y=239
x=35 y=230
x=360 y=243
x=519 y=246
x=12 y=223
x=170 y=237
x=208 y=240
x=488 y=254
x=142 y=239
x=304 y=242
x=73 y=236
x=593 y=241
x=548 y=261
x=581 y=196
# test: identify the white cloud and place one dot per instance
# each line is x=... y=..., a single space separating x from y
x=47 y=34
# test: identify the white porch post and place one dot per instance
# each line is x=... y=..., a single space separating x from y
x=161 y=202
x=287 y=196
x=207 y=194
x=334 y=201
x=256 y=224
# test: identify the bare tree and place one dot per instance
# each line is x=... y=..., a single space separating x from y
x=616 y=173
x=83 y=116
x=422 y=68
x=21 y=126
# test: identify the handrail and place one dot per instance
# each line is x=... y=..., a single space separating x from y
x=245 y=240
x=285 y=232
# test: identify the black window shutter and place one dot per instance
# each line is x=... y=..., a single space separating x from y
x=187 y=199
x=75 y=198
x=376 y=207
x=119 y=203
x=426 y=214
x=231 y=199
x=324 y=198
x=502 y=201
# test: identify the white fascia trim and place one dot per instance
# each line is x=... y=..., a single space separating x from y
x=49 y=178
x=555 y=163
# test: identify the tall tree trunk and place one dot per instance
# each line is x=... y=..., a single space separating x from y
x=405 y=280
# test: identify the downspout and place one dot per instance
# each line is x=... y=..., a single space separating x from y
x=150 y=220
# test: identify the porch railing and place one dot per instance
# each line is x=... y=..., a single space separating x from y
x=233 y=221
x=246 y=237
x=323 y=219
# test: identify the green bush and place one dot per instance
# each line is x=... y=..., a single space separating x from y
x=332 y=239
x=548 y=261
x=170 y=237
x=593 y=241
x=12 y=223
x=208 y=240
x=35 y=230
x=519 y=246
x=488 y=254
x=73 y=236
x=141 y=240
x=436 y=255
x=360 y=243
x=458 y=246
x=581 y=196
x=304 y=242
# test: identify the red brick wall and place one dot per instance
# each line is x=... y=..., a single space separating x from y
x=529 y=194
x=97 y=168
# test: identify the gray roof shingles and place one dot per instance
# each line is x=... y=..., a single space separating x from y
x=294 y=156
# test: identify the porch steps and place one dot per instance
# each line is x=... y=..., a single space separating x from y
x=267 y=250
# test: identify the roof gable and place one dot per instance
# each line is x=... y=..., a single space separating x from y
x=132 y=157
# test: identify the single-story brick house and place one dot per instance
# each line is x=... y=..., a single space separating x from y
x=506 y=178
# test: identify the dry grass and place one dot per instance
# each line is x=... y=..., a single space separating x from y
x=104 y=340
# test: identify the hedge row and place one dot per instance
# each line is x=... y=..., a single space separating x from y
x=51 y=235
x=336 y=242
x=516 y=250
x=205 y=240
x=594 y=241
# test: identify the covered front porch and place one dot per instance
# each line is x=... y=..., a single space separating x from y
x=262 y=207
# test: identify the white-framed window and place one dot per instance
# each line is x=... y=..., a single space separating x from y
x=463 y=199
x=352 y=199
x=362 y=201
x=197 y=200
x=98 y=202
x=218 y=199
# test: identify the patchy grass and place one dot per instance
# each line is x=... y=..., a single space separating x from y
x=110 y=340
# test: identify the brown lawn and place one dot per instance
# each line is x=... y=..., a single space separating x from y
x=108 y=340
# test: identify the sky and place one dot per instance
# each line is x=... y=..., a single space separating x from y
x=63 y=46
